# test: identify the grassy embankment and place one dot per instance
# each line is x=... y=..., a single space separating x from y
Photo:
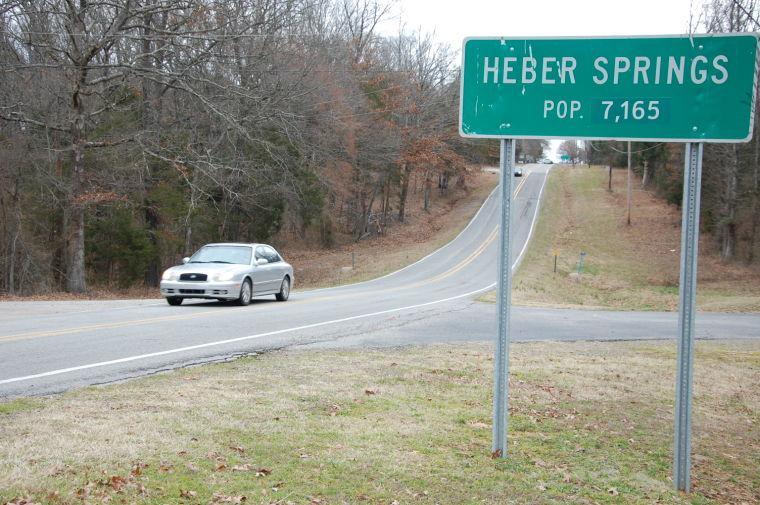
x=590 y=423
x=626 y=267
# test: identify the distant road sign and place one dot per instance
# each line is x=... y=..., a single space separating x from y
x=674 y=88
x=565 y=157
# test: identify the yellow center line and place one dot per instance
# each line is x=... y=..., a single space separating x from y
x=119 y=324
x=124 y=324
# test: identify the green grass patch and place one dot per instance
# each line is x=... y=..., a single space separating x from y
x=589 y=423
x=20 y=405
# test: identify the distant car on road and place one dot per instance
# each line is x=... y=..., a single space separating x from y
x=518 y=172
x=229 y=271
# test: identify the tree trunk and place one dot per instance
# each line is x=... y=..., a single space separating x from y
x=645 y=178
x=75 y=271
x=386 y=201
x=752 y=240
x=153 y=272
x=13 y=234
x=728 y=235
x=406 y=174
x=426 y=192
x=609 y=183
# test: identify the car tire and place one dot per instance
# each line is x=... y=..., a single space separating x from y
x=174 y=300
x=246 y=293
x=284 y=293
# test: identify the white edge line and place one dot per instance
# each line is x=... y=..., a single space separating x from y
x=238 y=339
x=297 y=328
x=533 y=222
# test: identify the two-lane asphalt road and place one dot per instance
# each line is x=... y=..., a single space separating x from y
x=53 y=346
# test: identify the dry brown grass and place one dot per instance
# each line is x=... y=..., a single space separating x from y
x=590 y=423
x=626 y=267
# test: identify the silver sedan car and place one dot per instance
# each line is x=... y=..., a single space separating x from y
x=229 y=271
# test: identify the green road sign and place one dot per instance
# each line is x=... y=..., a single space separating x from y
x=675 y=88
x=565 y=157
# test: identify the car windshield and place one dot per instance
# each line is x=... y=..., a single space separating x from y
x=233 y=254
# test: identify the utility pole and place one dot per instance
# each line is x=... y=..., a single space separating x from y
x=629 y=183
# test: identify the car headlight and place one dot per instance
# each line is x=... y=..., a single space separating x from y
x=169 y=275
x=224 y=276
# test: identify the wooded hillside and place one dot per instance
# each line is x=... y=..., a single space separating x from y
x=731 y=172
x=133 y=131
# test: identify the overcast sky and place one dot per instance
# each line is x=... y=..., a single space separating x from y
x=453 y=20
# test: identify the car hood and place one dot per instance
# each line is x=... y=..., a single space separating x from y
x=209 y=268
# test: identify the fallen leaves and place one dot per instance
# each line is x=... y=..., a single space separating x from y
x=166 y=467
x=243 y=468
x=220 y=462
x=187 y=494
x=221 y=498
x=104 y=489
x=117 y=482
x=137 y=469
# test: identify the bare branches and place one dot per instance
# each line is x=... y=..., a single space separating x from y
x=23 y=120
x=219 y=120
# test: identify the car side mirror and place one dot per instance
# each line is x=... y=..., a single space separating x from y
x=262 y=261
x=185 y=260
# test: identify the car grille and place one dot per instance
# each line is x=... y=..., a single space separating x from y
x=193 y=277
x=192 y=291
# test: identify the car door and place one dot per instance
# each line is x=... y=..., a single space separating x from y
x=265 y=276
x=278 y=267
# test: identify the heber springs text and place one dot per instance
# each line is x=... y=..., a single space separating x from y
x=637 y=70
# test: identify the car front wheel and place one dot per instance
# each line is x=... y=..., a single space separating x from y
x=246 y=293
x=174 y=300
x=284 y=293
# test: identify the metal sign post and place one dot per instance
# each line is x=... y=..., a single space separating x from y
x=686 y=306
x=501 y=356
x=692 y=89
